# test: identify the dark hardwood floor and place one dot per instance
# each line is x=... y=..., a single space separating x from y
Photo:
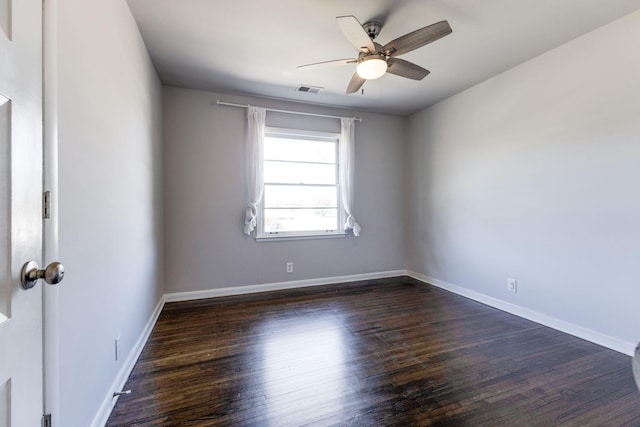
x=377 y=353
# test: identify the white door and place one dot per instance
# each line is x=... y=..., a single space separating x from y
x=21 y=355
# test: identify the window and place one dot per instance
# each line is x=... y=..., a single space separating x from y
x=301 y=185
x=304 y=184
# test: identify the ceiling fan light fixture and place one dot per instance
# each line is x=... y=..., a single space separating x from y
x=372 y=67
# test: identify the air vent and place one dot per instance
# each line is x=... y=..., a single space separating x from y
x=308 y=89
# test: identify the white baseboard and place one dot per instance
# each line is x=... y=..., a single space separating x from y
x=123 y=375
x=595 y=337
x=250 y=289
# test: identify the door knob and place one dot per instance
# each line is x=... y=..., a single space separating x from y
x=53 y=274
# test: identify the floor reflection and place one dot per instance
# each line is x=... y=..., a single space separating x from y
x=304 y=371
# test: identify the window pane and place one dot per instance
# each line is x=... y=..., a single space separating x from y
x=299 y=150
x=298 y=173
x=283 y=220
x=288 y=196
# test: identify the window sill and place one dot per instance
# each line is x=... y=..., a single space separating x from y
x=310 y=237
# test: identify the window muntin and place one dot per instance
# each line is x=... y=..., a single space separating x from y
x=301 y=189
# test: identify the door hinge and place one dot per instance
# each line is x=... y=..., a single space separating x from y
x=46 y=420
x=46 y=204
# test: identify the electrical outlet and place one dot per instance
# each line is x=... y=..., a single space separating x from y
x=512 y=285
x=289 y=267
x=117 y=347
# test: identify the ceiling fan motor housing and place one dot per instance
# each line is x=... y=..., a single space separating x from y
x=378 y=52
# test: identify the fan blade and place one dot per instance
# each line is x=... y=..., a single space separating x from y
x=417 y=38
x=356 y=35
x=356 y=83
x=407 y=69
x=325 y=64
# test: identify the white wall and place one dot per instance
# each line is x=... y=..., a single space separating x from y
x=205 y=198
x=110 y=140
x=534 y=175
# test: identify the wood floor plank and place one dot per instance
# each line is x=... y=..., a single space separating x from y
x=384 y=352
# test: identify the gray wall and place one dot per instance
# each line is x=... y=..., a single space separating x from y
x=534 y=175
x=205 y=198
x=110 y=141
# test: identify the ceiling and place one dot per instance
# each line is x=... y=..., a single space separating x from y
x=254 y=46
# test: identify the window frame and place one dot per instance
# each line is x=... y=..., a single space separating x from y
x=309 y=135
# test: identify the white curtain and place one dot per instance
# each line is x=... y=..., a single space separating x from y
x=346 y=174
x=255 y=152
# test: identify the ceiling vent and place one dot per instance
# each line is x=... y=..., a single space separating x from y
x=308 y=89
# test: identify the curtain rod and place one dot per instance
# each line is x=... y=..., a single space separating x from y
x=229 y=104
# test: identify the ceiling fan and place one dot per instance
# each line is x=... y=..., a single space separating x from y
x=374 y=60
